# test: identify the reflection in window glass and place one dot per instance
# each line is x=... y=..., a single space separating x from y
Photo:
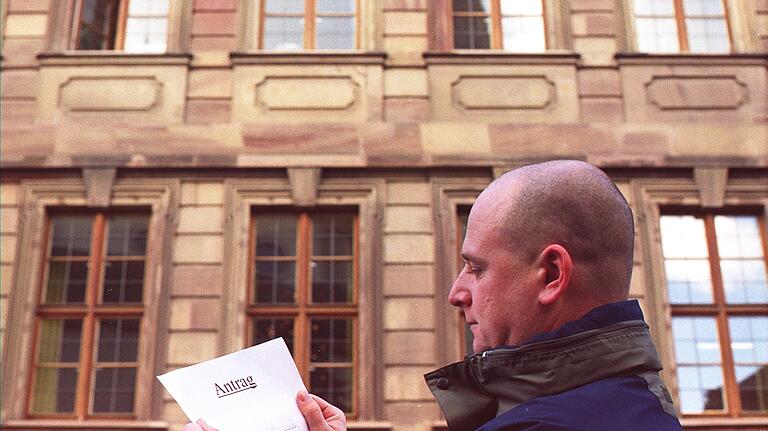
x=742 y=263
x=331 y=353
x=702 y=26
x=749 y=343
x=58 y=356
x=686 y=266
x=699 y=373
x=265 y=329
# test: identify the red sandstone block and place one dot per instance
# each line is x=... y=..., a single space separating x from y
x=405 y=4
x=214 y=23
x=208 y=111
x=213 y=43
x=406 y=110
x=215 y=5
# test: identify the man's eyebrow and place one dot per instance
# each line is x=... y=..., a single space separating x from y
x=474 y=259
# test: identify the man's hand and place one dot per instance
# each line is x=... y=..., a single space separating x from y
x=320 y=415
x=200 y=425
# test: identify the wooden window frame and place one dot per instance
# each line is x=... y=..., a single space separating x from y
x=310 y=16
x=303 y=311
x=682 y=29
x=91 y=311
x=497 y=38
x=720 y=309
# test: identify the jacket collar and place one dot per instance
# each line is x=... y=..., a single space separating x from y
x=609 y=341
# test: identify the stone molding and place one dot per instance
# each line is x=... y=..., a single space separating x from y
x=367 y=196
x=37 y=197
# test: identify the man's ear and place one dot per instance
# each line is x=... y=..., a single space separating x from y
x=558 y=266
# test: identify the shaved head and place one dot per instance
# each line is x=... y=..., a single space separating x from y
x=573 y=204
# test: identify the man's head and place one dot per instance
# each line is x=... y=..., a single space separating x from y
x=545 y=244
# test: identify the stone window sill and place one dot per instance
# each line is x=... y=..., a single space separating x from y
x=76 y=425
x=491 y=57
x=111 y=58
x=638 y=58
x=719 y=423
x=308 y=57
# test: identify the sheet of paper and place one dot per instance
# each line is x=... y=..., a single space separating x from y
x=250 y=390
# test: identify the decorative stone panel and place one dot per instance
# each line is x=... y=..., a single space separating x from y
x=503 y=88
x=122 y=89
x=680 y=89
x=270 y=87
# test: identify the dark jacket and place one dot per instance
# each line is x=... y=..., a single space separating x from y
x=596 y=373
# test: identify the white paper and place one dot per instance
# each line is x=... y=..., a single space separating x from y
x=250 y=390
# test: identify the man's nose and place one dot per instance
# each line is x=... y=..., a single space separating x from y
x=459 y=295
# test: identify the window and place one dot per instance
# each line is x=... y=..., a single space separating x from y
x=89 y=316
x=139 y=26
x=305 y=278
x=465 y=333
x=511 y=25
x=715 y=266
x=668 y=26
x=309 y=24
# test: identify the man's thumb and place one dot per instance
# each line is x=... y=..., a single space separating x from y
x=311 y=411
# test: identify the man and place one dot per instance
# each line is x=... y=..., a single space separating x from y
x=548 y=261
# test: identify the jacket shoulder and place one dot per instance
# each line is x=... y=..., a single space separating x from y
x=616 y=403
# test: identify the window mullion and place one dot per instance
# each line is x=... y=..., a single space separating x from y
x=309 y=24
x=682 y=31
x=303 y=249
x=731 y=385
x=496 y=37
x=122 y=19
x=89 y=323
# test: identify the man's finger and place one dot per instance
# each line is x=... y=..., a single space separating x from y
x=204 y=426
x=192 y=427
x=311 y=411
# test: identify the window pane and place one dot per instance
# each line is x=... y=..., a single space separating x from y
x=703 y=7
x=738 y=236
x=118 y=340
x=284 y=6
x=654 y=7
x=688 y=281
x=707 y=35
x=275 y=282
x=699 y=373
x=753 y=388
x=71 y=236
x=146 y=34
x=98 y=21
x=335 y=32
x=683 y=236
x=114 y=390
x=66 y=283
x=265 y=329
x=525 y=34
x=521 y=7
x=59 y=341
x=331 y=340
x=332 y=235
x=471 y=32
x=275 y=235
x=332 y=282
x=335 y=6
x=54 y=390
x=472 y=6
x=283 y=33
x=333 y=385
x=657 y=35
x=749 y=343
x=127 y=235
x=147 y=7
x=123 y=282
x=744 y=281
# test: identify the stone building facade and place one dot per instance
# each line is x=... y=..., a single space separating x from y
x=177 y=186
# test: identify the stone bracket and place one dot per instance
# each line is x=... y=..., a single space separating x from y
x=304 y=182
x=711 y=183
x=98 y=186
